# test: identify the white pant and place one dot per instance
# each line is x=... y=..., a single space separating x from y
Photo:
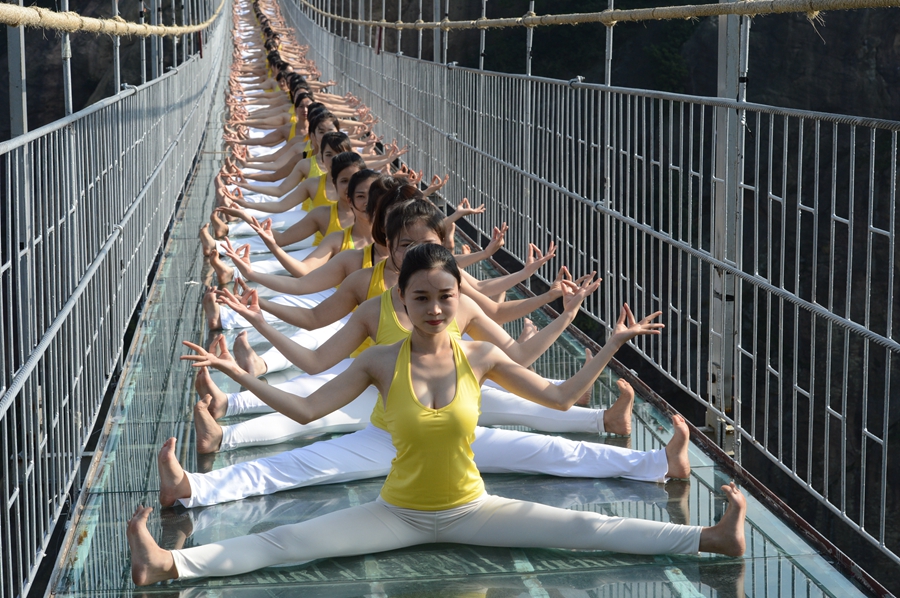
x=272 y=265
x=280 y=222
x=369 y=452
x=498 y=408
x=231 y=319
x=257 y=245
x=488 y=521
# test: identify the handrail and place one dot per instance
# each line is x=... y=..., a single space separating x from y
x=609 y=18
x=35 y=16
x=20 y=140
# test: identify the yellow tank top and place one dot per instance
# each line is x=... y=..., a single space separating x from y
x=376 y=287
x=347 y=241
x=319 y=199
x=391 y=331
x=334 y=225
x=307 y=149
x=293 y=127
x=314 y=168
x=434 y=468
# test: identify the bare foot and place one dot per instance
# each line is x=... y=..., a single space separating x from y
x=246 y=357
x=677 y=450
x=149 y=562
x=224 y=273
x=727 y=536
x=220 y=229
x=204 y=385
x=207 y=241
x=617 y=418
x=173 y=484
x=528 y=331
x=208 y=432
x=211 y=309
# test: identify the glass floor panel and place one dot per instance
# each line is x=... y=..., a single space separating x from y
x=155 y=402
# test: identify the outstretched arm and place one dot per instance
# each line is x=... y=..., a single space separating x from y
x=336 y=348
x=330 y=397
x=483 y=328
x=525 y=383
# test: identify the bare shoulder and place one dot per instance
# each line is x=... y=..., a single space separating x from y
x=379 y=361
x=482 y=355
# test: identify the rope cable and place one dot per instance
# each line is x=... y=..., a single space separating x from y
x=611 y=17
x=35 y=16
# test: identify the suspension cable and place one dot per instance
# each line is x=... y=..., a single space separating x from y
x=751 y=8
x=35 y=16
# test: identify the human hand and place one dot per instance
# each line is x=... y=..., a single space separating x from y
x=246 y=303
x=240 y=257
x=536 y=258
x=464 y=206
x=264 y=230
x=627 y=327
x=498 y=239
x=216 y=357
x=574 y=293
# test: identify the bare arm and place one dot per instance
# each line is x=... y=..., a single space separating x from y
x=332 y=309
x=331 y=396
x=525 y=383
x=338 y=347
x=483 y=328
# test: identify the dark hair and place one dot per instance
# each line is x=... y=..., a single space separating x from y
x=314 y=109
x=384 y=202
x=342 y=161
x=402 y=216
x=357 y=178
x=298 y=100
x=320 y=117
x=339 y=142
x=428 y=256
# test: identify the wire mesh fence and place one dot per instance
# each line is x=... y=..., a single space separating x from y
x=766 y=236
x=86 y=205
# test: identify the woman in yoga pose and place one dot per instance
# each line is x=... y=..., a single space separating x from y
x=434 y=492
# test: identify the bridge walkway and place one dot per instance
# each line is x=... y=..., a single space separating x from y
x=778 y=561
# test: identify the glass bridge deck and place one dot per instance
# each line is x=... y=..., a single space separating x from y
x=778 y=562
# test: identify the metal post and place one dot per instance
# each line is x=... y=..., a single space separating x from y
x=143 y=48
x=399 y=31
x=607 y=154
x=436 y=33
x=154 y=41
x=362 y=15
x=529 y=36
x=607 y=69
x=446 y=33
x=117 y=65
x=728 y=161
x=66 y=46
x=174 y=38
x=420 y=31
x=185 y=20
x=483 y=31
x=18 y=99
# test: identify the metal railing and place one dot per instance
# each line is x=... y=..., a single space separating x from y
x=86 y=203
x=766 y=236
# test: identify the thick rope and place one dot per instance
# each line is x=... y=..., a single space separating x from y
x=34 y=16
x=611 y=17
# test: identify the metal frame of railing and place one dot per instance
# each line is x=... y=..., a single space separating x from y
x=86 y=203
x=766 y=236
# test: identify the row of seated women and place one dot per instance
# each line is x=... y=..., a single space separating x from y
x=343 y=265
